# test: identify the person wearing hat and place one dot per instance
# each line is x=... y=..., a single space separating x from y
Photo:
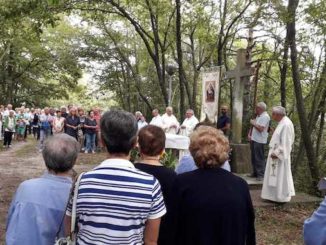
x=58 y=123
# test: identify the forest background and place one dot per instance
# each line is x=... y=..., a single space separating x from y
x=120 y=53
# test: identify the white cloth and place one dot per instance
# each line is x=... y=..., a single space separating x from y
x=6 y=113
x=27 y=117
x=169 y=121
x=141 y=124
x=157 y=121
x=58 y=124
x=178 y=142
x=278 y=182
x=190 y=124
x=263 y=121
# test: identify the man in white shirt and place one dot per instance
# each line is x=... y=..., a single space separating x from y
x=157 y=119
x=170 y=122
x=258 y=139
x=278 y=181
x=189 y=123
x=141 y=122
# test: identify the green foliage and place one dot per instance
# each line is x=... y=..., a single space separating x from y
x=169 y=159
x=36 y=54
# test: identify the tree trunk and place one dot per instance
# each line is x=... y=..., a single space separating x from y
x=220 y=42
x=180 y=59
x=291 y=29
x=316 y=110
x=283 y=71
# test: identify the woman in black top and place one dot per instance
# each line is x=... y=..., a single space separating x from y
x=214 y=206
x=90 y=132
x=151 y=141
x=72 y=123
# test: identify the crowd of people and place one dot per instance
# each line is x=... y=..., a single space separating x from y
x=42 y=123
x=119 y=202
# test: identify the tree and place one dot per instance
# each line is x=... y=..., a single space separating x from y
x=34 y=64
x=306 y=137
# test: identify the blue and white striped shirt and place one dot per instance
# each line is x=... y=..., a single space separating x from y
x=114 y=202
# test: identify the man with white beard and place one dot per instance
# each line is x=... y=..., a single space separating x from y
x=278 y=182
x=189 y=123
x=170 y=122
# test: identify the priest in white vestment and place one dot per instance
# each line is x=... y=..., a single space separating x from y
x=278 y=182
x=170 y=122
x=157 y=119
x=189 y=124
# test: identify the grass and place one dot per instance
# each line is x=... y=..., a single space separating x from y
x=91 y=159
x=28 y=149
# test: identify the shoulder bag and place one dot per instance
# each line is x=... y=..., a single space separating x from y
x=71 y=239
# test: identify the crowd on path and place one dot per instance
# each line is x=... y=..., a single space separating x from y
x=119 y=202
x=42 y=123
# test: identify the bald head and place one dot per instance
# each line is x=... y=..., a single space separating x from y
x=224 y=109
x=169 y=110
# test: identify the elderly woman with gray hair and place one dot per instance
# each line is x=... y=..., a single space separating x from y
x=214 y=206
x=38 y=207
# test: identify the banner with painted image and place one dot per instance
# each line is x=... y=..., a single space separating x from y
x=210 y=94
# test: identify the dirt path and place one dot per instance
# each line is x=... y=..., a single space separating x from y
x=21 y=162
x=17 y=164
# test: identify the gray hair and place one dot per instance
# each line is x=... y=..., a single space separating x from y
x=279 y=110
x=60 y=153
x=119 y=131
x=155 y=110
x=262 y=105
x=191 y=111
x=138 y=113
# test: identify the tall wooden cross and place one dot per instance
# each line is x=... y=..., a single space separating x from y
x=240 y=72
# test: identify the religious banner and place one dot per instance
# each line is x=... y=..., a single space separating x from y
x=210 y=94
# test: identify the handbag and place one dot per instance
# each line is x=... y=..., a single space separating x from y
x=71 y=239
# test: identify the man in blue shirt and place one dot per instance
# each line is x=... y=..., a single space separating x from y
x=37 y=210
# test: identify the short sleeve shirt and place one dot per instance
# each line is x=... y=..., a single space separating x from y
x=90 y=122
x=73 y=121
x=261 y=137
x=222 y=121
x=114 y=202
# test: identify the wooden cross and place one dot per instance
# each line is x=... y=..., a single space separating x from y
x=240 y=72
